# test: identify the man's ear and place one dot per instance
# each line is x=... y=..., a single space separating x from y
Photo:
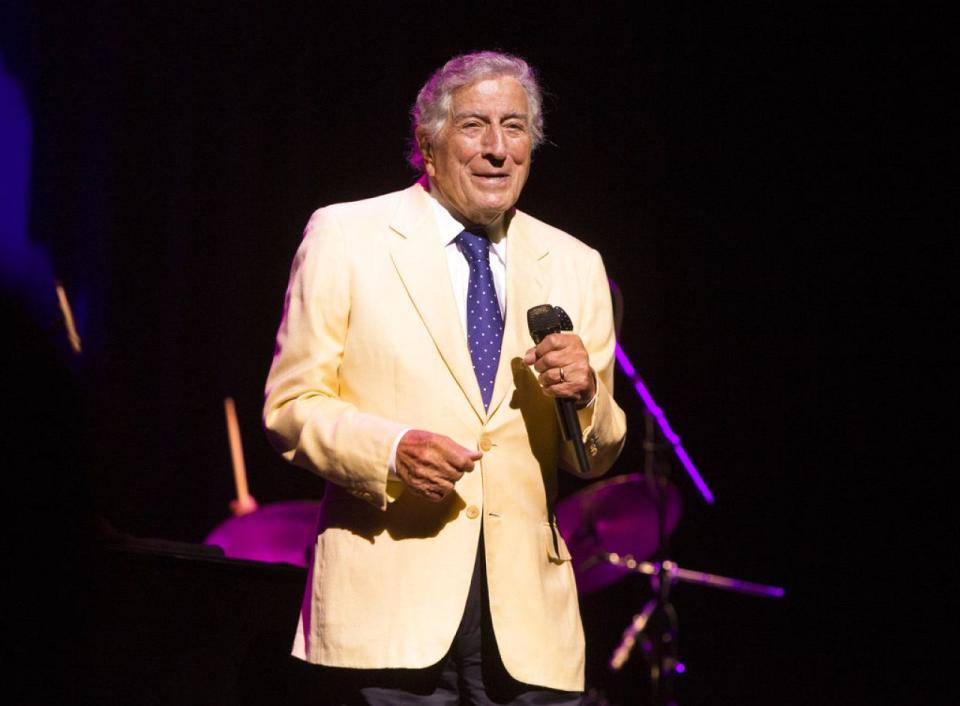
x=426 y=151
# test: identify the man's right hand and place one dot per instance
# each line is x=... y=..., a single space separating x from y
x=430 y=464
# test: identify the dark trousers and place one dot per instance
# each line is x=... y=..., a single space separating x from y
x=470 y=674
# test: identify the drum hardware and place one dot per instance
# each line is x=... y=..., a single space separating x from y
x=611 y=530
x=617 y=527
x=660 y=642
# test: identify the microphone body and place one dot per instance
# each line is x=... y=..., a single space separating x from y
x=543 y=320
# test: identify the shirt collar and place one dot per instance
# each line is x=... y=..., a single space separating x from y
x=449 y=228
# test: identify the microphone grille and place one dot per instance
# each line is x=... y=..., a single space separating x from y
x=565 y=323
x=543 y=320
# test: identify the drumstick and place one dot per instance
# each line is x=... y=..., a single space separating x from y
x=67 y=312
x=244 y=503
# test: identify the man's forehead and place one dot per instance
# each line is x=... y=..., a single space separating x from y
x=500 y=94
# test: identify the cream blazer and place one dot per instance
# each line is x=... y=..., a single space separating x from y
x=370 y=343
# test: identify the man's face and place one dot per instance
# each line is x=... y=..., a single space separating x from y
x=479 y=162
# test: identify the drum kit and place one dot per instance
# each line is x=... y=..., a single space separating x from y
x=613 y=529
x=621 y=526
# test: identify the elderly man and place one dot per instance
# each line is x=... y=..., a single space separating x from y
x=404 y=376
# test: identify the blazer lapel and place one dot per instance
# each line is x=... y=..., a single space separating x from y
x=526 y=287
x=421 y=263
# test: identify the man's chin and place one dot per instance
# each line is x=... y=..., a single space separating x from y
x=487 y=217
x=487 y=213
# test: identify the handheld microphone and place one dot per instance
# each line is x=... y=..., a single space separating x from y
x=543 y=320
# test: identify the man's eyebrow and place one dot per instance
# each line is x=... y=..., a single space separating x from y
x=484 y=116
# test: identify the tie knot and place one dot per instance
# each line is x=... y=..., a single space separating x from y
x=475 y=245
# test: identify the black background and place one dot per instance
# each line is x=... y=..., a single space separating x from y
x=760 y=179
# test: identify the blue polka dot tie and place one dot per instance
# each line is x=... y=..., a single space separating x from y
x=484 y=322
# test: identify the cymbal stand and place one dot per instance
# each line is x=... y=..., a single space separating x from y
x=658 y=619
x=656 y=625
x=663 y=650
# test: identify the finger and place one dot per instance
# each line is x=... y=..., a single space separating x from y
x=562 y=357
x=451 y=474
x=561 y=390
x=469 y=462
x=570 y=388
x=437 y=492
x=552 y=377
x=552 y=342
x=553 y=359
x=575 y=373
x=458 y=456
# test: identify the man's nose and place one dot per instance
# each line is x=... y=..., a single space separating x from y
x=494 y=143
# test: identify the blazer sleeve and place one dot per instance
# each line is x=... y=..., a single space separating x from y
x=306 y=419
x=603 y=424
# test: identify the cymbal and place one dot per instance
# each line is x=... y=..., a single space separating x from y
x=279 y=532
x=616 y=515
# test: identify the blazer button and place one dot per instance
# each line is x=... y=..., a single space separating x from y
x=485 y=443
x=473 y=512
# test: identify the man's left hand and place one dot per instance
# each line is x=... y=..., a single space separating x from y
x=564 y=367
